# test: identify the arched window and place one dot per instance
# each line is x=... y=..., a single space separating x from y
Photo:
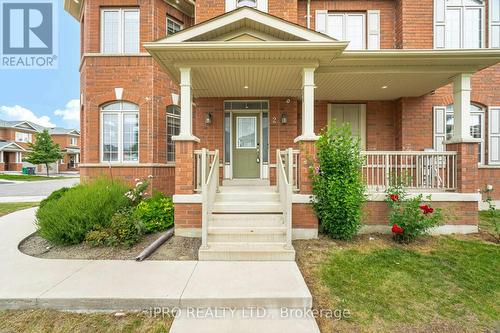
x=173 y=129
x=476 y=126
x=120 y=132
x=248 y=3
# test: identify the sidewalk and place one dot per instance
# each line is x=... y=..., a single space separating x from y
x=115 y=285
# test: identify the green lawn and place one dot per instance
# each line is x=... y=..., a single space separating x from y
x=10 y=207
x=28 y=178
x=41 y=321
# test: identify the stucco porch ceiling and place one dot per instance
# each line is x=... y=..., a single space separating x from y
x=247 y=53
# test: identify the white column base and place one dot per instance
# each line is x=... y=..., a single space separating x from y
x=312 y=137
x=185 y=137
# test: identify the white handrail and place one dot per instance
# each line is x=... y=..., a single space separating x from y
x=209 y=188
x=285 y=189
x=418 y=170
x=292 y=164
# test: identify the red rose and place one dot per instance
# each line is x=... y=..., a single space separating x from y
x=397 y=229
x=426 y=209
x=394 y=197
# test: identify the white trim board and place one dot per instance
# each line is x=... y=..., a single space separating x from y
x=435 y=197
x=187 y=198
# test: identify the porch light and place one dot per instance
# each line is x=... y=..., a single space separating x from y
x=284 y=118
x=384 y=87
x=245 y=87
x=208 y=118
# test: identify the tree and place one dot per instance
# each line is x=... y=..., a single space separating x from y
x=44 y=150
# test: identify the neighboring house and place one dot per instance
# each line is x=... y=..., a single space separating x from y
x=418 y=81
x=16 y=135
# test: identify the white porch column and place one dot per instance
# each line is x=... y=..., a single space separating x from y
x=1 y=156
x=186 y=130
x=461 y=108
x=307 y=106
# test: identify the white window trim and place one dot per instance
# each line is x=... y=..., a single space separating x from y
x=443 y=24
x=122 y=12
x=170 y=18
x=29 y=137
x=74 y=141
x=174 y=116
x=492 y=24
x=490 y=162
x=344 y=26
x=120 y=136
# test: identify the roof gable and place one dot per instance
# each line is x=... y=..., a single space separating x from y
x=249 y=21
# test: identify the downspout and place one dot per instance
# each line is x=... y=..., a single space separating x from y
x=308 y=14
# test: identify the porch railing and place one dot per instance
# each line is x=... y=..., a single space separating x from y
x=285 y=189
x=209 y=178
x=203 y=158
x=417 y=170
x=291 y=161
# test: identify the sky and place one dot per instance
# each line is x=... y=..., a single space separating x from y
x=48 y=97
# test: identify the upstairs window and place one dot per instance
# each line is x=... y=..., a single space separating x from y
x=120 y=132
x=74 y=141
x=349 y=27
x=23 y=137
x=494 y=15
x=173 y=26
x=173 y=129
x=458 y=24
x=120 y=30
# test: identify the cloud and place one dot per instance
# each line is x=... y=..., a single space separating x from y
x=71 y=112
x=18 y=112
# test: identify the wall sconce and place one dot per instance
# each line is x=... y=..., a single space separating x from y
x=208 y=118
x=284 y=118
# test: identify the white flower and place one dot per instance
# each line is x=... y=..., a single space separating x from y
x=138 y=184
x=150 y=176
x=489 y=187
x=137 y=179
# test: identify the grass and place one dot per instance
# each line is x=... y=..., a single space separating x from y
x=488 y=220
x=28 y=178
x=41 y=321
x=439 y=284
x=10 y=207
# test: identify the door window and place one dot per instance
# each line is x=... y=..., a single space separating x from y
x=246 y=133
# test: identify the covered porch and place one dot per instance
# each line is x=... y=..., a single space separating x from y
x=257 y=90
x=11 y=156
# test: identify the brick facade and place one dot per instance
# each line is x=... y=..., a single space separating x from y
x=403 y=124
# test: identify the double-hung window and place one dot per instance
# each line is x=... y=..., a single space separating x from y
x=173 y=26
x=494 y=15
x=120 y=30
x=459 y=24
x=23 y=137
x=74 y=141
x=120 y=133
x=349 y=27
x=173 y=129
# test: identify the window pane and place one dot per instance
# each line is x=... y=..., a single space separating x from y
x=453 y=27
x=110 y=137
x=246 y=132
x=126 y=106
x=355 y=32
x=335 y=26
x=495 y=10
x=173 y=129
x=472 y=28
x=265 y=137
x=130 y=137
x=227 y=137
x=174 y=110
x=111 y=32
x=449 y=126
x=173 y=27
x=112 y=106
x=131 y=31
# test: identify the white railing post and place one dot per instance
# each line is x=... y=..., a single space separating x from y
x=290 y=165
x=204 y=198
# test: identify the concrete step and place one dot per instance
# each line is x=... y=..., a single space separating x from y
x=247 y=207
x=245 y=321
x=247 y=197
x=245 y=182
x=248 y=189
x=246 y=220
x=246 y=251
x=246 y=234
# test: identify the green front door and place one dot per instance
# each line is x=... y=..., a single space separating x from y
x=246 y=145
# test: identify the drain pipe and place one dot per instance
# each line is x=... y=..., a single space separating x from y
x=155 y=245
x=308 y=14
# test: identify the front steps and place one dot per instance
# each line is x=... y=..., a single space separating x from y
x=247 y=224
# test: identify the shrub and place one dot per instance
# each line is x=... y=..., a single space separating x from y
x=124 y=230
x=156 y=213
x=410 y=217
x=54 y=196
x=337 y=182
x=80 y=210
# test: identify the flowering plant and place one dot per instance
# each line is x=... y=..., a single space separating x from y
x=409 y=216
x=137 y=193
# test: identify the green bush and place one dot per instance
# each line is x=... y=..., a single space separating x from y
x=156 y=213
x=410 y=217
x=54 y=196
x=124 y=230
x=337 y=182
x=82 y=209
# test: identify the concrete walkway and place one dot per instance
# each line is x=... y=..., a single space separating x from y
x=113 y=285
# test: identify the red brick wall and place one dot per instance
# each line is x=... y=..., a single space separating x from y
x=303 y=216
x=187 y=215
x=414 y=24
x=456 y=213
x=207 y=9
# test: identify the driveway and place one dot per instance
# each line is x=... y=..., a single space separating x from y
x=34 y=190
